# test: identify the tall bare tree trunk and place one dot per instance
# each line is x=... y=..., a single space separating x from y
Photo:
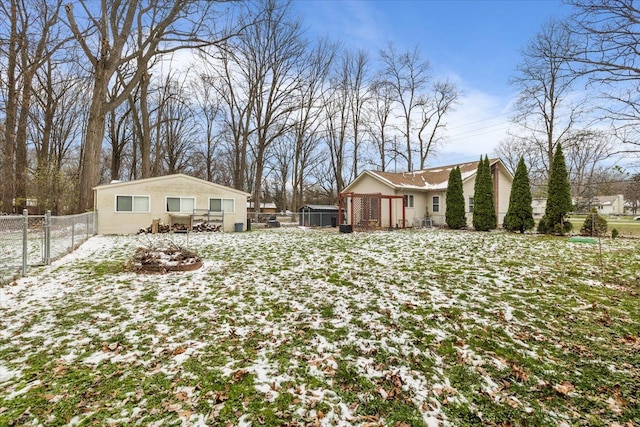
x=92 y=149
x=8 y=177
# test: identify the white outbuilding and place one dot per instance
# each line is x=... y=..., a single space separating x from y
x=124 y=207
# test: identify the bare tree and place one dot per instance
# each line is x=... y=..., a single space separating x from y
x=378 y=125
x=176 y=126
x=607 y=36
x=585 y=152
x=433 y=109
x=57 y=115
x=336 y=127
x=207 y=109
x=356 y=71
x=33 y=37
x=546 y=108
x=269 y=54
x=408 y=74
x=236 y=99
x=307 y=116
x=109 y=39
x=511 y=149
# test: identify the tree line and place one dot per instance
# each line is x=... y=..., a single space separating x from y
x=231 y=92
x=236 y=93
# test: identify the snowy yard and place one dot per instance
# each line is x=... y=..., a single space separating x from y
x=302 y=327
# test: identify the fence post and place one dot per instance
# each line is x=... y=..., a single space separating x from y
x=25 y=230
x=47 y=238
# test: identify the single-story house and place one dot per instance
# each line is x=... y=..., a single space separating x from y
x=125 y=207
x=609 y=205
x=386 y=199
x=319 y=215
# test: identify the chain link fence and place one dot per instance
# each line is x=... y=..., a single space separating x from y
x=32 y=240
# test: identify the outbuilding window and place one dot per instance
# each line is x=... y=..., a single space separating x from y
x=181 y=204
x=132 y=203
x=222 y=205
x=471 y=204
x=436 y=203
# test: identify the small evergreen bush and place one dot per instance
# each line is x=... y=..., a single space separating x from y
x=594 y=224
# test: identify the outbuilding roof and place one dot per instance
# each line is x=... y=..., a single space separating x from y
x=321 y=207
x=115 y=184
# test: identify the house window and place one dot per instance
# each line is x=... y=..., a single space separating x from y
x=132 y=203
x=222 y=205
x=181 y=204
x=408 y=201
x=436 y=203
x=470 y=204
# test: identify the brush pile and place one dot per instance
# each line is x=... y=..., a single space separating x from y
x=162 y=260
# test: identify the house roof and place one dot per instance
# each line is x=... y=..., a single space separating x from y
x=607 y=200
x=435 y=178
x=115 y=184
x=263 y=205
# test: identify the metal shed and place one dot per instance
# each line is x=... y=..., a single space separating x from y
x=319 y=215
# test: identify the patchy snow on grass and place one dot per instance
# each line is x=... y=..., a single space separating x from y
x=305 y=327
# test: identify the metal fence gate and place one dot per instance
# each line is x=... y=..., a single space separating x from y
x=33 y=240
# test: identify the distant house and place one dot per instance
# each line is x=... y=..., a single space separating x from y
x=265 y=207
x=385 y=199
x=609 y=205
x=126 y=207
x=539 y=205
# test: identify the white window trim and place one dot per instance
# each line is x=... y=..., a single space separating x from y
x=472 y=205
x=433 y=204
x=115 y=203
x=410 y=201
x=222 y=198
x=181 y=198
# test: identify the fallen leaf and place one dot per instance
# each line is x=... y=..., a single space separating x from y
x=519 y=373
x=564 y=388
x=239 y=375
x=182 y=396
x=179 y=350
x=174 y=407
x=185 y=414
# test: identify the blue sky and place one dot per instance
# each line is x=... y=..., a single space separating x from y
x=473 y=43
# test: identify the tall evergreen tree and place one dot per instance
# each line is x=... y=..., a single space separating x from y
x=484 y=212
x=454 y=214
x=558 y=198
x=520 y=213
